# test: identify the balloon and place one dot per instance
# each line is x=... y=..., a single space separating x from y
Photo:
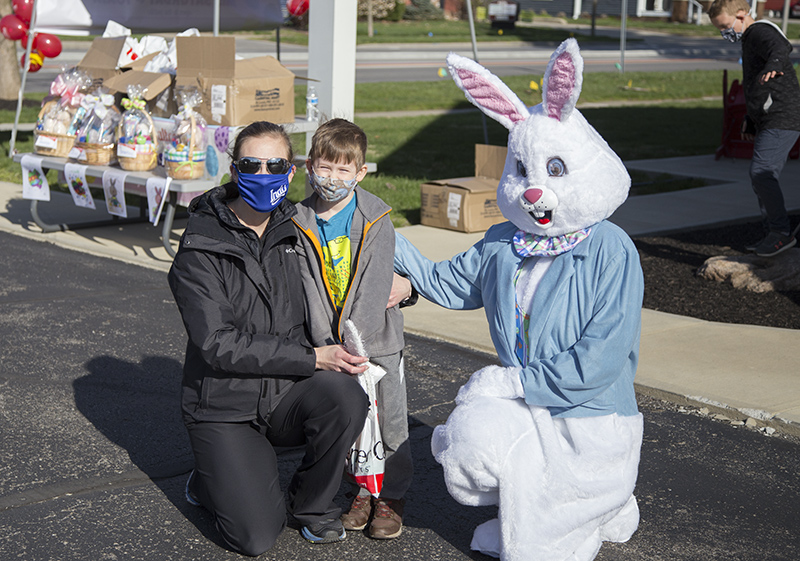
x=23 y=9
x=37 y=60
x=297 y=7
x=48 y=45
x=13 y=28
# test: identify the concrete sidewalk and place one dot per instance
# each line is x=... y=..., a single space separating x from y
x=682 y=359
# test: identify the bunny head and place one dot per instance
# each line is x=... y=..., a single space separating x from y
x=560 y=175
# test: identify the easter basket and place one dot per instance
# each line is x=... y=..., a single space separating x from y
x=186 y=162
x=180 y=166
x=136 y=133
x=95 y=154
x=185 y=158
x=94 y=143
x=56 y=125
x=49 y=143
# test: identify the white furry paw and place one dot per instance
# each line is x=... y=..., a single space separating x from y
x=492 y=381
x=438 y=441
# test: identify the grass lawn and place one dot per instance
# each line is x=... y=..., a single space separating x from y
x=598 y=87
x=437 y=32
x=437 y=147
x=412 y=150
x=458 y=31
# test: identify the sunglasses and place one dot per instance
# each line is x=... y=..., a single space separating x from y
x=275 y=166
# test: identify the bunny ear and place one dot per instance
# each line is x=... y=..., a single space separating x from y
x=486 y=91
x=562 y=82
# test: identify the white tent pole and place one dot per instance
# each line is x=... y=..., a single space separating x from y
x=475 y=56
x=31 y=33
x=785 y=20
x=216 y=18
x=472 y=31
x=622 y=34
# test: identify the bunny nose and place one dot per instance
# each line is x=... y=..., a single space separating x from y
x=540 y=203
x=533 y=195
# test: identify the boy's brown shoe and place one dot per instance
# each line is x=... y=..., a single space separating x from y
x=357 y=517
x=387 y=518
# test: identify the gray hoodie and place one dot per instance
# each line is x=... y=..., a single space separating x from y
x=371 y=273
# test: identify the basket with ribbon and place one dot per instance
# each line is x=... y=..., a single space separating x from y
x=185 y=157
x=136 y=134
x=53 y=135
x=94 y=143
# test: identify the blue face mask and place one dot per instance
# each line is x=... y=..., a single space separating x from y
x=262 y=191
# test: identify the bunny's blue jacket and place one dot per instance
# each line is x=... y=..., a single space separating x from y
x=585 y=322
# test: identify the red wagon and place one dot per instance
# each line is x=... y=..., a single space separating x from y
x=733 y=115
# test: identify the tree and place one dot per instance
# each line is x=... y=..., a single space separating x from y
x=9 y=65
x=380 y=8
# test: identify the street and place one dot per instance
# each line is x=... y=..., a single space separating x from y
x=94 y=455
x=421 y=62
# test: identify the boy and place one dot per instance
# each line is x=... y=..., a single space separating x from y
x=772 y=95
x=348 y=240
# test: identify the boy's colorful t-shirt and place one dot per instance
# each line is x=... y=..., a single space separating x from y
x=335 y=241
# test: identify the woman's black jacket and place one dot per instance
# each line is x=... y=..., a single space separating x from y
x=241 y=300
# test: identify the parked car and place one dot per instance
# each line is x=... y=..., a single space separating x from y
x=505 y=13
x=775 y=8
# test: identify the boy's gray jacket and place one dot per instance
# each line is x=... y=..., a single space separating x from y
x=371 y=274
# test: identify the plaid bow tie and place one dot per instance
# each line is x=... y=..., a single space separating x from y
x=528 y=245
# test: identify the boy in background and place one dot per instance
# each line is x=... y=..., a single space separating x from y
x=348 y=241
x=772 y=95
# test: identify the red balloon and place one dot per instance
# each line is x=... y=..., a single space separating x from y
x=13 y=28
x=37 y=60
x=23 y=9
x=48 y=45
x=297 y=7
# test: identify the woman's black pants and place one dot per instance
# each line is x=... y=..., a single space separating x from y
x=236 y=469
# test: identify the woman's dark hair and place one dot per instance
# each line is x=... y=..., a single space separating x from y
x=259 y=129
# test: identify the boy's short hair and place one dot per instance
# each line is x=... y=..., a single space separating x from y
x=339 y=140
x=730 y=7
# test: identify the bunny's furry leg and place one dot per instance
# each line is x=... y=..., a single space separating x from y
x=474 y=443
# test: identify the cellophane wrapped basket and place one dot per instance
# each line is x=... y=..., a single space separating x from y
x=136 y=134
x=94 y=143
x=54 y=134
x=185 y=157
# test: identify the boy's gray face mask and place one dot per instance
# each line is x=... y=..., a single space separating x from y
x=731 y=35
x=332 y=190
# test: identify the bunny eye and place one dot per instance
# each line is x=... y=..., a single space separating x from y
x=556 y=167
x=521 y=169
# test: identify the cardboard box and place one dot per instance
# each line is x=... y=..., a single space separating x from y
x=466 y=204
x=235 y=92
x=100 y=61
x=157 y=87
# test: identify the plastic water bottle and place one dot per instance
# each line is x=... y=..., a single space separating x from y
x=312 y=104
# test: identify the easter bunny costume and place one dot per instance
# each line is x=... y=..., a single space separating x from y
x=553 y=435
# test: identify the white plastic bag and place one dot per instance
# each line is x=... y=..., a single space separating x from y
x=366 y=459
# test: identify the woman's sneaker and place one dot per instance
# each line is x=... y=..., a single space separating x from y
x=324 y=531
x=190 y=498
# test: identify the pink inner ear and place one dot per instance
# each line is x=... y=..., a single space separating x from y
x=560 y=85
x=488 y=95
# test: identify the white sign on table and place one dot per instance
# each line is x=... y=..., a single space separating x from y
x=34 y=180
x=75 y=176
x=157 y=191
x=114 y=189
